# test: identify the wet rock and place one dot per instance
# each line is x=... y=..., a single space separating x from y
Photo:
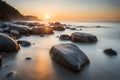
x=15 y=33
x=24 y=43
x=98 y=26
x=69 y=55
x=8 y=44
x=67 y=27
x=64 y=37
x=110 y=51
x=10 y=75
x=28 y=58
x=57 y=36
x=41 y=30
x=72 y=28
x=58 y=28
x=41 y=35
x=21 y=30
x=83 y=37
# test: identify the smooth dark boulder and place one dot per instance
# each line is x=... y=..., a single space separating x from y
x=64 y=37
x=110 y=51
x=83 y=37
x=8 y=44
x=69 y=55
x=24 y=43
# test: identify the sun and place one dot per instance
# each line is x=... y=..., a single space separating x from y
x=47 y=16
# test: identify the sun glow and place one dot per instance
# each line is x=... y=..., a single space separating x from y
x=47 y=16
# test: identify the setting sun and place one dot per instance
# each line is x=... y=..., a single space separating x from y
x=47 y=16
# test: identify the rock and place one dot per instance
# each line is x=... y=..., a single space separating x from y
x=8 y=44
x=98 y=26
x=41 y=35
x=10 y=75
x=15 y=33
x=58 y=28
x=21 y=30
x=24 y=43
x=83 y=37
x=28 y=58
x=67 y=27
x=110 y=51
x=72 y=28
x=64 y=37
x=69 y=55
x=43 y=30
x=81 y=29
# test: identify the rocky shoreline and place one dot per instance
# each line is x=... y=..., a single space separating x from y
x=62 y=53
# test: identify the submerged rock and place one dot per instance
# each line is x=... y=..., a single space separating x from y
x=8 y=44
x=24 y=43
x=110 y=51
x=64 y=37
x=10 y=75
x=69 y=55
x=83 y=37
x=28 y=58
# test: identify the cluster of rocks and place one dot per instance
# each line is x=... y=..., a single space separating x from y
x=79 y=37
x=26 y=29
x=68 y=55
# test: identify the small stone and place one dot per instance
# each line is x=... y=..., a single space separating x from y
x=24 y=43
x=110 y=51
x=28 y=58
x=41 y=35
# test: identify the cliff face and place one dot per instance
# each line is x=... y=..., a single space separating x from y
x=8 y=12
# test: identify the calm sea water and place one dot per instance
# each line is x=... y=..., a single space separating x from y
x=41 y=67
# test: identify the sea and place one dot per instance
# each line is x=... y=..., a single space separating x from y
x=42 y=67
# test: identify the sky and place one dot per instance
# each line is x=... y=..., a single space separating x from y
x=69 y=9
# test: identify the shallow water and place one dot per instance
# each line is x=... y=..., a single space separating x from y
x=41 y=67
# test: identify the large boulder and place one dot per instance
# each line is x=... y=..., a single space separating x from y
x=83 y=37
x=8 y=44
x=69 y=55
x=42 y=30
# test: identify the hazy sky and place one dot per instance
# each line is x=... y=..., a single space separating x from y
x=70 y=9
